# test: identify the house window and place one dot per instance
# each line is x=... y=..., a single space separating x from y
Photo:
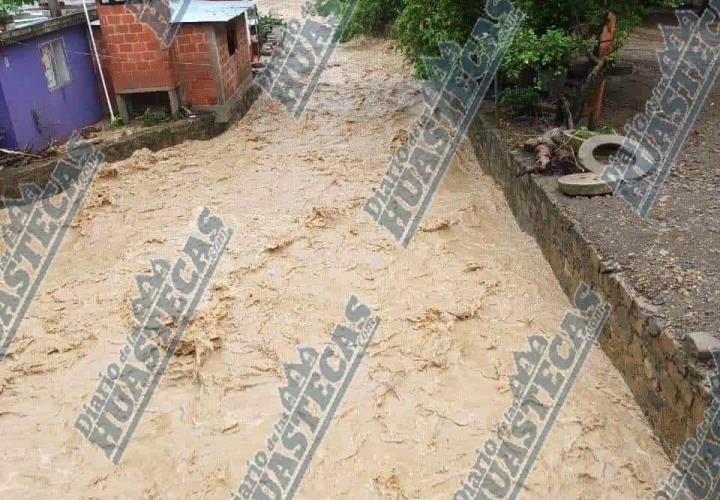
x=231 y=38
x=55 y=63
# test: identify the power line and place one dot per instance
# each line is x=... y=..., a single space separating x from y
x=107 y=56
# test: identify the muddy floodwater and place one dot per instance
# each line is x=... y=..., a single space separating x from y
x=433 y=385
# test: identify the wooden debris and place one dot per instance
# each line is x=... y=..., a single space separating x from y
x=10 y=158
x=553 y=154
x=22 y=153
x=14 y=158
x=531 y=144
x=89 y=132
x=543 y=157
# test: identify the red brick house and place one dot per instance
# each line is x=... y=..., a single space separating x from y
x=206 y=67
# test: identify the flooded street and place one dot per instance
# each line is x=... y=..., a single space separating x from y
x=433 y=385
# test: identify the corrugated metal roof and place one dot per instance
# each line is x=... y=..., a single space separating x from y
x=32 y=30
x=22 y=20
x=209 y=11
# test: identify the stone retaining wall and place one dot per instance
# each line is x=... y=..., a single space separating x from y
x=670 y=385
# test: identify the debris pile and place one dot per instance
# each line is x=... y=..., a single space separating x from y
x=269 y=39
x=553 y=154
x=14 y=158
x=580 y=172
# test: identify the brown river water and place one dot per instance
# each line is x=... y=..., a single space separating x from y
x=433 y=385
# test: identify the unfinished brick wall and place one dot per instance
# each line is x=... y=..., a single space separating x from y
x=192 y=59
x=137 y=59
x=201 y=67
x=235 y=69
x=104 y=62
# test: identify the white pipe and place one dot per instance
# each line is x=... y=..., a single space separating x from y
x=97 y=58
x=247 y=33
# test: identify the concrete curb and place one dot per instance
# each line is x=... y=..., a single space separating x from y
x=668 y=384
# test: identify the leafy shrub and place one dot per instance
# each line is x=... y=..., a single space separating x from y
x=117 y=122
x=10 y=7
x=521 y=99
x=553 y=30
x=530 y=54
x=423 y=24
x=585 y=18
x=373 y=17
x=266 y=24
x=151 y=117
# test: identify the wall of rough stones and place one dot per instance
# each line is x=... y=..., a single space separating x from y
x=666 y=380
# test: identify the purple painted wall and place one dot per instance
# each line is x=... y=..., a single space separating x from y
x=36 y=114
x=7 y=134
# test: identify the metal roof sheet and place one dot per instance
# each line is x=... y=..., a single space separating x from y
x=209 y=11
x=42 y=27
x=206 y=11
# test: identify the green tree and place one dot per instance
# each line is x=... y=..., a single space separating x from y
x=10 y=7
x=583 y=17
x=552 y=33
x=373 y=17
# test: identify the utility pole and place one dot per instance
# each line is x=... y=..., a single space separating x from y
x=54 y=8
